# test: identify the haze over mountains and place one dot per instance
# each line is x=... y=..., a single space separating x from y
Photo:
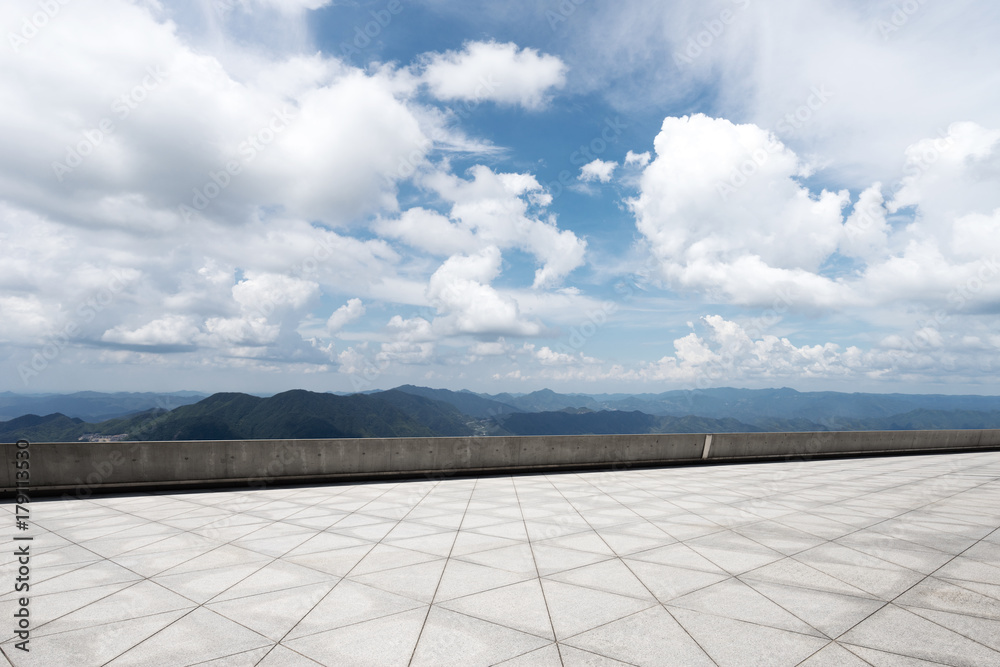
x=420 y=411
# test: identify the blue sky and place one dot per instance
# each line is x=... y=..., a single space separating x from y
x=261 y=195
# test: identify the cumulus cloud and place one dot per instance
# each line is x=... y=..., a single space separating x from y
x=722 y=211
x=598 y=170
x=501 y=73
x=729 y=352
x=170 y=330
x=725 y=213
x=349 y=312
x=491 y=209
x=166 y=125
x=461 y=292
x=640 y=159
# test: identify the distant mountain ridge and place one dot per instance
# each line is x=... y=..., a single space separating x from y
x=754 y=404
x=92 y=405
x=410 y=411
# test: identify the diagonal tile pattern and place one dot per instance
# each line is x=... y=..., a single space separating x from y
x=876 y=561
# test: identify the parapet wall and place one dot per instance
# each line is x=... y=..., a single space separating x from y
x=84 y=468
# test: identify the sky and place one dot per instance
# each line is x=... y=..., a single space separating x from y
x=589 y=196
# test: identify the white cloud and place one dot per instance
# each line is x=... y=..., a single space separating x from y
x=640 y=159
x=344 y=315
x=598 y=170
x=266 y=292
x=166 y=125
x=412 y=330
x=248 y=330
x=428 y=230
x=722 y=211
x=501 y=73
x=290 y=5
x=730 y=353
x=490 y=210
x=461 y=292
x=495 y=348
x=169 y=330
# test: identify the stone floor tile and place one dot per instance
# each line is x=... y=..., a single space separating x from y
x=679 y=555
x=418 y=581
x=222 y=556
x=734 y=643
x=934 y=593
x=833 y=655
x=386 y=557
x=462 y=578
x=240 y=659
x=469 y=543
x=327 y=542
x=734 y=599
x=281 y=656
x=983 y=630
x=203 y=585
x=624 y=544
x=338 y=562
x=518 y=559
x=667 y=582
x=877 y=577
x=547 y=656
x=651 y=637
x=791 y=572
x=611 y=576
x=273 y=614
x=574 y=657
x=200 y=635
x=884 y=659
x=831 y=613
x=274 y=576
x=895 y=630
x=519 y=606
x=449 y=638
x=971 y=570
x=783 y=539
x=348 y=603
x=576 y=609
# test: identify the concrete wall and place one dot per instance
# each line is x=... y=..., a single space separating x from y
x=83 y=468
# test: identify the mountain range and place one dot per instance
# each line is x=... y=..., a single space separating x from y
x=410 y=411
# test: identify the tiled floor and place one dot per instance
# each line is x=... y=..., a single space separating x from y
x=882 y=561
